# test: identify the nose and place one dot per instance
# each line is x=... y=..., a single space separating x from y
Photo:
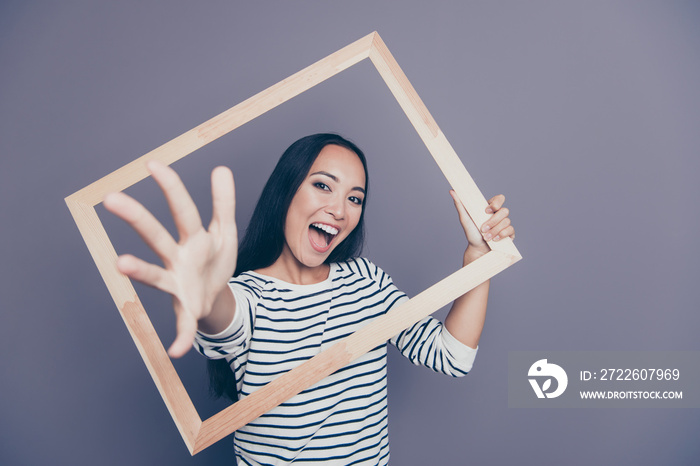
x=336 y=207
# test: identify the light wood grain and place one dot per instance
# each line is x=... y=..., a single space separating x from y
x=199 y=434
x=227 y=121
x=137 y=322
x=350 y=348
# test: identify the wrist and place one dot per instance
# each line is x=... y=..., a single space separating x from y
x=473 y=253
x=220 y=314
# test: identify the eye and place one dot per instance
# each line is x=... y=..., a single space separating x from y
x=322 y=186
x=356 y=200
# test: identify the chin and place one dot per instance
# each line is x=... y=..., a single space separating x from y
x=315 y=260
x=311 y=264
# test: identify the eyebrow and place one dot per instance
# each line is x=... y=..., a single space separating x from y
x=335 y=178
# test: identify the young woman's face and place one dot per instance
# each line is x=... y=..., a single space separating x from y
x=327 y=206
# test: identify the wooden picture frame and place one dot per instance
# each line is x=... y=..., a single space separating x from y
x=198 y=434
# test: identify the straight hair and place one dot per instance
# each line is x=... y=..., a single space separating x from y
x=264 y=239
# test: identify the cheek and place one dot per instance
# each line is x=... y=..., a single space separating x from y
x=291 y=228
x=295 y=229
x=354 y=222
x=295 y=214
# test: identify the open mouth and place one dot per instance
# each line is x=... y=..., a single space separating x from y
x=321 y=236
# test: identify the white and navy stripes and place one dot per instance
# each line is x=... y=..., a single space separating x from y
x=277 y=326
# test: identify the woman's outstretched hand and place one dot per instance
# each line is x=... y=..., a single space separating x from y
x=496 y=227
x=196 y=269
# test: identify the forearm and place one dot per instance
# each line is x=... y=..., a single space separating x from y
x=221 y=314
x=465 y=320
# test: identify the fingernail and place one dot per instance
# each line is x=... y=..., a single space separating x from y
x=485 y=228
x=497 y=238
x=489 y=210
x=487 y=236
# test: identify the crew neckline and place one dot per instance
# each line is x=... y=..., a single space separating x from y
x=323 y=283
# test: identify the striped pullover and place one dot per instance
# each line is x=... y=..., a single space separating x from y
x=343 y=418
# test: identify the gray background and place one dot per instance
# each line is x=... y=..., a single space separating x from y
x=585 y=114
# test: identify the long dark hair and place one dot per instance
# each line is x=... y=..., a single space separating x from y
x=263 y=241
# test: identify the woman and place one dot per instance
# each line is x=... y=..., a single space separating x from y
x=299 y=287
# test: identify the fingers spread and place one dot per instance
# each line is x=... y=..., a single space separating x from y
x=223 y=199
x=145 y=272
x=140 y=219
x=182 y=207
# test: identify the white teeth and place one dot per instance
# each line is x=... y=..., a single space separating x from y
x=327 y=228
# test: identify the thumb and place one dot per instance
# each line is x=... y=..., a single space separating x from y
x=186 y=331
x=470 y=229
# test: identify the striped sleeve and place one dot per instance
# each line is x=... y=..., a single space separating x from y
x=427 y=342
x=235 y=339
